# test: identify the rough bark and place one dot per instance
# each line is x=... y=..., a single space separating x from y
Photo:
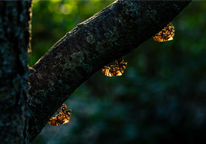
x=108 y=35
x=14 y=42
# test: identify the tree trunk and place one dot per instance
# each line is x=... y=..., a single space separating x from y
x=108 y=35
x=14 y=42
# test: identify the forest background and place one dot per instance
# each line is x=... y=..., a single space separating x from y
x=160 y=97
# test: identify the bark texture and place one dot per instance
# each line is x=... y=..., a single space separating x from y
x=108 y=35
x=14 y=42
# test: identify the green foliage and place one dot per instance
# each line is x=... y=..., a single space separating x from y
x=160 y=97
x=51 y=20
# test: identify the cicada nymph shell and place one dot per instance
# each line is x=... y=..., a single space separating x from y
x=115 y=70
x=166 y=34
x=62 y=117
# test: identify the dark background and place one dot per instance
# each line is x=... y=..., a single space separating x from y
x=161 y=97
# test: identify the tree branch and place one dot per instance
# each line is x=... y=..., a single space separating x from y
x=106 y=36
